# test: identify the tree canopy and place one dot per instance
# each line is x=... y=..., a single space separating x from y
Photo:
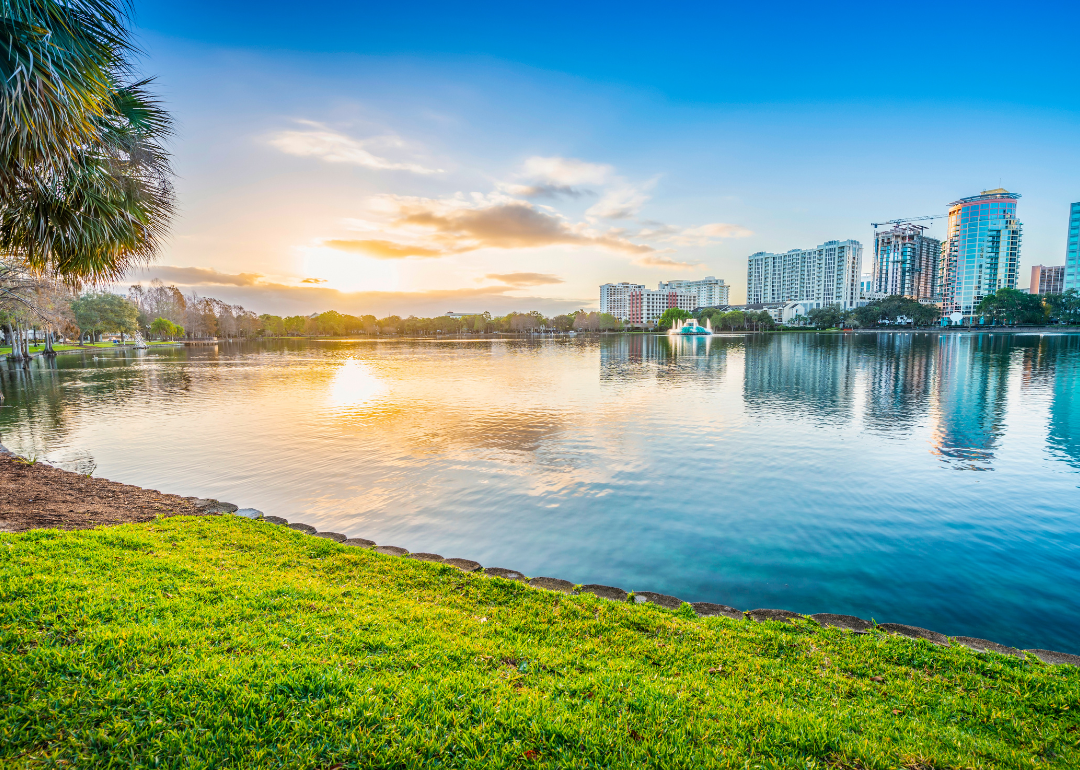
x=85 y=181
x=895 y=309
x=1009 y=306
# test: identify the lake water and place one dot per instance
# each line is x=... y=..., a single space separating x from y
x=909 y=478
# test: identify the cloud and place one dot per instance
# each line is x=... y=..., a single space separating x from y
x=658 y=260
x=566 y=171
x=383 y=249
x=318 y=141
x=525 y=279
x=283 y=299
x=718 y=230
x=544 y=190
x=313 y=280
x=620 y=202
x=459 y=226
x=203 y=276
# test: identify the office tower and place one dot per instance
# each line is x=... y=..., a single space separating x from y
x=906 y=262
x=710 y=291
x=1047 y=280
x=1072 y=250
x=827 y=275
x=981 y=253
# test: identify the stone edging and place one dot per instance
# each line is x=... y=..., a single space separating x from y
x=701 y=609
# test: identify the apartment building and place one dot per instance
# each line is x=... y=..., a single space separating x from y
x=710 y=291
x=634 y=304
x=825 y=275
x=1047 y=280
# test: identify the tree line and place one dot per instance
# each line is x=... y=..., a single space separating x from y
x=333 y=323
x=1003 y=307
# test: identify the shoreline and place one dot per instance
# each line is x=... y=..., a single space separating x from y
x=107 y=503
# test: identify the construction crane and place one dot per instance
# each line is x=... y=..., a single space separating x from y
x=876 y=225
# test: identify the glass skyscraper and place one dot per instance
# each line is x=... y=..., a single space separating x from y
x=1072 y=250
x=982 y=251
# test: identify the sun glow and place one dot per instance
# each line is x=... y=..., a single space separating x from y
x=355 y=385
x=351 y=272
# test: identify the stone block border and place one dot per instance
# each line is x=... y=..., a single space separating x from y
x=848 y=623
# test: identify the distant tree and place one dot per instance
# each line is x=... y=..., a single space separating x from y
x=827 y=317
x=894 y=309
x=671 y=315
x=294 y=325
x=163 y=327
x=1010 y=306
x=1063 y=308
x=97 y=312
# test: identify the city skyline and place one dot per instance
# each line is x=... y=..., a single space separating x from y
x=512 y=165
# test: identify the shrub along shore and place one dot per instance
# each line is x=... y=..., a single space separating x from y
x=220 y=640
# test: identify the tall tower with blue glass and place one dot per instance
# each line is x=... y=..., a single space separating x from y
x=1072 y=250
x=982 y=251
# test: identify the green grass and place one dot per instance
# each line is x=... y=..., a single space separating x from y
x=222 y=642
x=60 y=348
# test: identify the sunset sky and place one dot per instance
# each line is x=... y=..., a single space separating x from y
x=416 y=158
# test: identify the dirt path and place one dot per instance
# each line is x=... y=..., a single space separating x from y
x=38 y=496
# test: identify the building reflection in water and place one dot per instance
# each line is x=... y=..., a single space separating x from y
x=899 y=372
x=811 y=376
x=969 y=398
x=1064 y=435
x=635 y=357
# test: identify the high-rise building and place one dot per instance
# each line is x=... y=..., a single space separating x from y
x=1047 y=280
x=1072 y=250
x=615 y=298
x=710 y=291
x=826 y=275
x=866 y=284
x=981 y=253
x=906 y=262
x=633 y=303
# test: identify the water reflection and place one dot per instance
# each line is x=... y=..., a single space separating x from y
x=900 y=374
x=1065 y=409
x=813 y=472
x=968 y=402
x=801 y=377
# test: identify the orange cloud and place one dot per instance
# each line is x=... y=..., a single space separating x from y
x=283 y=299
x=657 y=260
x=502 y=225
x=383 y=249
x=204 y=276
x=524 y=279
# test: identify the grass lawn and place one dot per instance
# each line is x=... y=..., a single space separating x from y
x=59 y=348
x=223 y=642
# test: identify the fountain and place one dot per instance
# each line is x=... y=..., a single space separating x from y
x=691 y=327
x=140 y=343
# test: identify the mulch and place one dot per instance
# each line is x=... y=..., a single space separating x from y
x=38 y=496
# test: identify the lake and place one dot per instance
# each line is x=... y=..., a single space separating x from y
x=910 y=478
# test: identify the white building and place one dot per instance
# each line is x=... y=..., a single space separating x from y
x=615 y=298
x=828 y=274
x=710 y=291
x=633 y=303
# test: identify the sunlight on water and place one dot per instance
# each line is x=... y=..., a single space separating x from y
x=906 y=477
x=354 y=386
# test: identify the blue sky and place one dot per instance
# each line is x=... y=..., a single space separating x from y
x=419 y=158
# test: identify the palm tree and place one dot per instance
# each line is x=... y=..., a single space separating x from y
x=84 y=177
